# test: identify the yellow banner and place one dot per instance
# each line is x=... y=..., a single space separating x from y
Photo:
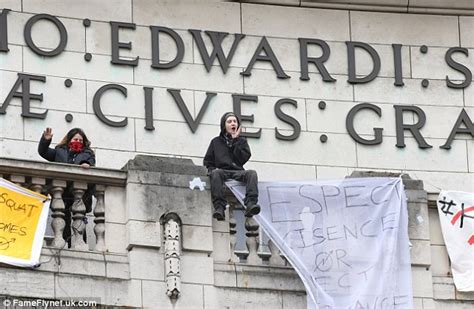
x=23 y=216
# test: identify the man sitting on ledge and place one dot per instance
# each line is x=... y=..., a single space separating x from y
x=225 y=157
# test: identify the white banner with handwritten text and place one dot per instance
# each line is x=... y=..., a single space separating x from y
x=347 y=239
x=456 y=215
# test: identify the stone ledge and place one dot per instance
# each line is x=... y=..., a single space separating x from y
x=278 y=278
x=93 y=264
x=399 y=6
x=165 y=165
x=61 y=171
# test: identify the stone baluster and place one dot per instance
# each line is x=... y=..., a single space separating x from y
x=275 y=258
x=172 y=256
x=18 y=180
x=252 y=241
x=58 y=208
x=233 y=234
x=99 y=220
x=78 y=213
x=37 y=184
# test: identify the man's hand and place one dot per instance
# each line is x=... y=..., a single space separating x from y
x=236 y=134
x=85 y=165
x=48 y=134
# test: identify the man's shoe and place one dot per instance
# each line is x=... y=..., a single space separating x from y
x=219 y=213
x=252 y=209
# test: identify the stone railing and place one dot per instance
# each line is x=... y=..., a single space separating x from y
x=248 y=244
x=59 y=181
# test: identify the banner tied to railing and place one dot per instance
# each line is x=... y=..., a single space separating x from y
x=23 y=217
x=456 y=215
x=347 y=239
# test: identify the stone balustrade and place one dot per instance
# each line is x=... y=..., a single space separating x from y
x=155 y=243
x=67 y=185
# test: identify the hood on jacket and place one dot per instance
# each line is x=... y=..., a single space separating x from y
x=224 y=118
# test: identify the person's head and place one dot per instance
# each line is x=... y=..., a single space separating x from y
x=76 y=135
x=229 y=123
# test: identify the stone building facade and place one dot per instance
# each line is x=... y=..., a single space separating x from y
x=315 y=83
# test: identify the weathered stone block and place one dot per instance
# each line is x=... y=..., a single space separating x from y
x=418 y=222
x=221 y=251
x=9 y=124
x=436 y=234
x=18 y=282
x=332 y=172
x=197 y=268
x=11 y=4
x=470 y=151
x=186 y=15
x=307 y=149
x=19 y=149
x=111 y=292
x=12 y=60
x=146 y=263
x=407 y=29
x=115 y=207
x=154 y=293
x=115 y=237
x=106 y=11
x=443 y=288
x=422 y=282
x=214 y=81
x=280 y=172
x=175 y=138
x=323 y=120
x=294 y=300
x=117 y=266
x=420 y=253
x=466 y=23
x=417 y=303
x=143 y=234
x=433 y=64
x=382 y=90
x=467 y=296
x=197 y=238
x=246 y=299
x=312 y=23
x=440 y=261
x=99 y=68
x=149 y=203
x=410 y=157
x=265 y=82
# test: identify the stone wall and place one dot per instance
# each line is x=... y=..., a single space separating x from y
x=304 y=158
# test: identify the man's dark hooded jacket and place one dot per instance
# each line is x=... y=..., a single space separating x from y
x=227 y=153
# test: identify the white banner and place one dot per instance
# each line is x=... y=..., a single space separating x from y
x=347 y=239
x=456 y=215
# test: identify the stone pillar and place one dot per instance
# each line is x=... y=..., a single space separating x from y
x=157 y=187
x=252 y=241
x=58 y=209
x=99 y=220
x=78 y=213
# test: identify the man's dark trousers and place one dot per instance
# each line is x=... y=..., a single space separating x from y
x=218 y=178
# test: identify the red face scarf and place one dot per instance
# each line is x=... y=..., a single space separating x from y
x=76 y=146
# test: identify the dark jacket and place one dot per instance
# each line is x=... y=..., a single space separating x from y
x=61 y=154
x=225 y=152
